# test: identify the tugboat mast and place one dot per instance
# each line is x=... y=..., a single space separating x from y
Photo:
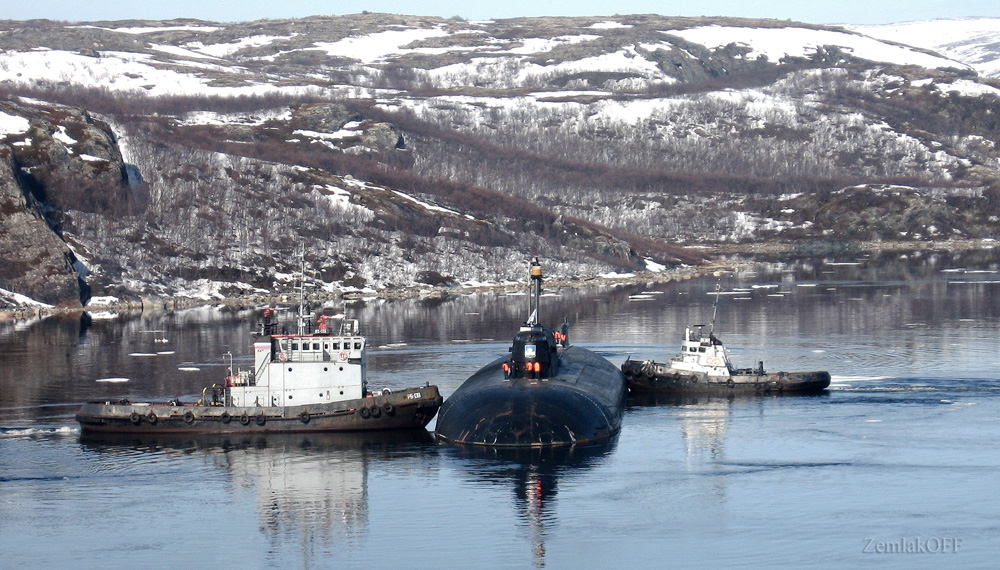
x=715 y=308
x=302 y=317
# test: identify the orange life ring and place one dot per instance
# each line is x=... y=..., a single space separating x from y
x=282 y=356
x=344 y=355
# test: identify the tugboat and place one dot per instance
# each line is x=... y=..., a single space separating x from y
x=703 y=367
x=305 y=382
x=545 y=393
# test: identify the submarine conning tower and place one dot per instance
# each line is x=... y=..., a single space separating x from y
x=543 y=394
x=535 y=350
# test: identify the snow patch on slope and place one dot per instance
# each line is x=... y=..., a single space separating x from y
x=13 y=125
x=376 y=47
x=776 y=43
x=975 y=41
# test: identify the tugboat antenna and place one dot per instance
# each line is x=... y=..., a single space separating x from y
x=301 y=317
x=715 y=307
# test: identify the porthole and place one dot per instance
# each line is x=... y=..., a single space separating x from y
x=341 y=368
x=289 y=368
x=326 y=369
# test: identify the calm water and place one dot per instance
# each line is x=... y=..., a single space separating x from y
x=896 y=466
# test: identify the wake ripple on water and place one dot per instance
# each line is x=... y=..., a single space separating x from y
x=911 y=384
x=32 y=432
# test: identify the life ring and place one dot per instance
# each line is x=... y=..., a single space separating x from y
x=388 y=408
x=282 y=356
x=304 y=416
x=135 y=418
x=714 y=361
x=376 y=411
x=188 y=417
x=344 y=355
x=365 y=412
x=225 y=417
x=244 y=419
x=152 y=418
x=261 y=419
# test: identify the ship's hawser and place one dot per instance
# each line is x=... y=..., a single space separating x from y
x=545 y=393
x=310 y=381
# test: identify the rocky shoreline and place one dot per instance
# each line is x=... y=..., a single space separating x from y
x=717 y=254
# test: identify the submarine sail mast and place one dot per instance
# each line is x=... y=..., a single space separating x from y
x=534 y=298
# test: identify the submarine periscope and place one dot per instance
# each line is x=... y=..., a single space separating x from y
x=545 y=393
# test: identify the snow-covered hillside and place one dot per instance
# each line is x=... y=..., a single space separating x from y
x=423 y=150
x=973 y=41
x=207 y=59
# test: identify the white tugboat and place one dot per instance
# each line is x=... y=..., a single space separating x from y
x=310 y=381
x=703 y=367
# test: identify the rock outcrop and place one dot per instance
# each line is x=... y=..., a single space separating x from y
x=36 y=262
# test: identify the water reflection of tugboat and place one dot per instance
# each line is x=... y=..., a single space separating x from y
x=310 y=381
x=546 y=393
x=313 y=485
x=703 y=366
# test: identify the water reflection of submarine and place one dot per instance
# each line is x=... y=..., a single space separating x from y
x=545 y=393
x=533 y=474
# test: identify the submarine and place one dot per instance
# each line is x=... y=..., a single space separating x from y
x=546 y=393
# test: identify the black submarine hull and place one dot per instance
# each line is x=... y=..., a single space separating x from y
x=582 y=403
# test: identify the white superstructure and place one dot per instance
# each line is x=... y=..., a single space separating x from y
x=300 y=369
x=701 y=353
